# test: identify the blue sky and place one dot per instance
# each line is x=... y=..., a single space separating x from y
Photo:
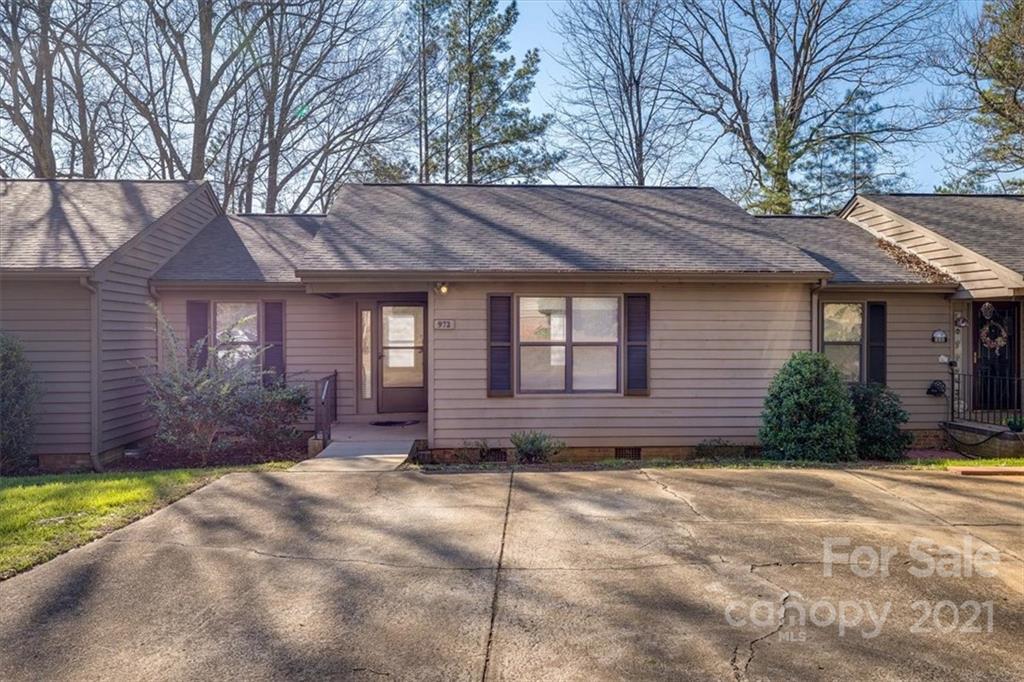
x=534 y=29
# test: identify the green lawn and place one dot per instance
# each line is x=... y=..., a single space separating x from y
x=43 y=516
x=990 y=462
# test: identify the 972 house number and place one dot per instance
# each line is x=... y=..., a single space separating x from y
x=946 y=617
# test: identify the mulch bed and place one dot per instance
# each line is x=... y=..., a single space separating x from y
x=229 y=453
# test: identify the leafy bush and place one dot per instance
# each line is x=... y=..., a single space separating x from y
x=808 y=413
x=533 y=447
x=193 y=405
x=879 y=413
x=1015 y=424
x=266 y=416
x=18 y=394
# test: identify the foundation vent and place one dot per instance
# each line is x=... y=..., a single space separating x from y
x=627 y=453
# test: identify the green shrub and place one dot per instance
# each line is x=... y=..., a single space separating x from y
x=534 y=447
x=266 y=416
x=879 y=413
x=808 y=413
x=18 y=394
x=1015 y=424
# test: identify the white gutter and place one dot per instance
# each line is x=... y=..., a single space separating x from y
x=93 y=287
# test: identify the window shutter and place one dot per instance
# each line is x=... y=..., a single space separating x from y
x=638 y=344
x=876 y=343
x=499 y=345
x=273 y=340
x=197 y=320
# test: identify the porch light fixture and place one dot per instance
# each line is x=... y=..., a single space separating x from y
x=939 y=336
x=441 y=288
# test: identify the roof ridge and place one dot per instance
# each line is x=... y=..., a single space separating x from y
x=84 y=180
x=1006 y=195
x=524 y=185
x=276 y=215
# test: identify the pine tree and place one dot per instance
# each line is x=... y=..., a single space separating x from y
x=848 y=159
x=425 y=33
x=490 y=134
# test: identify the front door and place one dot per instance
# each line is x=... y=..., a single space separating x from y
x=996 y=355
x=401 y=383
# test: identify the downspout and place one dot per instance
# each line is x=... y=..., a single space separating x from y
x=815 y=324
x=158 y=330
x=93 y=288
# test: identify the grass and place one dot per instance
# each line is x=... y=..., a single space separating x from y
x=43 y=516
x=989 y=462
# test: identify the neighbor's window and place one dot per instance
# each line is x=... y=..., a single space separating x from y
x=568 y=343
x=843 y=337
x=237 y=334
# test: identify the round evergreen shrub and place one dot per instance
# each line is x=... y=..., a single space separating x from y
x=879 y=413
x=808 y=413
x=18 y=393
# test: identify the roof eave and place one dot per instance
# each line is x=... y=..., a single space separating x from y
x=922 y=287
x=44 y=273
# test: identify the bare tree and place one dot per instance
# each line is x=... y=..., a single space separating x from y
x=615 y=106
x=329 y=85
x=773 y=75
x=59 y=116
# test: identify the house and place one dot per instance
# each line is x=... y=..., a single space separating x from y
x=620 y=320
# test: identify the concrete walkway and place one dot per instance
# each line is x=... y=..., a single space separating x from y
x=677 y=574
x=365 y=447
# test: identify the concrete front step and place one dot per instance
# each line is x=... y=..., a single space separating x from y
x=359 y=456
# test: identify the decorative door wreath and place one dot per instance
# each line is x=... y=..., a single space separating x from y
x=993 y=336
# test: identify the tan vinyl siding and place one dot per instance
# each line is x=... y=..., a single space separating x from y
x=978 y=275
x=52 y=320
x=911 y=358
x=128 y=324
x=714 y=349
x=319 y=333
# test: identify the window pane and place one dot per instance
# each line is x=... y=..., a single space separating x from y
x=542 y=319
x=236 y=323
x=843 y=321
x=402 y=325
x=594 y=368
x=595 y=319
x=542 y=368
x=366 y=349
x=846 y=358
x=241 y=357
x=403 y=368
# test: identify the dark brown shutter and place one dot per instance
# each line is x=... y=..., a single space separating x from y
x=499 y=345
x=197 y=320
x=273 y=340
x=876 y=343
x=638 y=344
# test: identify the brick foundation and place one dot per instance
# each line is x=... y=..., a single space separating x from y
x=67 y=463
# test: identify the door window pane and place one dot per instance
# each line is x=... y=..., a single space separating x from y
x=594 y=368
x=843 y=322
x=595 y=319
x=543 y=368
x=402 y=368
x=542 y=319
x=402 y=325
x=847 y=358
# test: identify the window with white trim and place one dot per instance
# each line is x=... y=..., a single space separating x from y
x=569 y=344
x=237 y=333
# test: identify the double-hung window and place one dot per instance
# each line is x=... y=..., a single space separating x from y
x=237 y=334
x=843 y=337
x=569 y=344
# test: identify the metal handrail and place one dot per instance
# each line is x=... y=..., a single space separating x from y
x=986 y=398
x=326 y=407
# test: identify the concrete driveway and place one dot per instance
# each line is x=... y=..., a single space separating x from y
x=683 y=574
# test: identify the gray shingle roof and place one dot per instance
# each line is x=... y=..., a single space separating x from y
x=77 y=223
x=245 y=248
x=989 y=224
x=846 y=249
x=522 y=228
